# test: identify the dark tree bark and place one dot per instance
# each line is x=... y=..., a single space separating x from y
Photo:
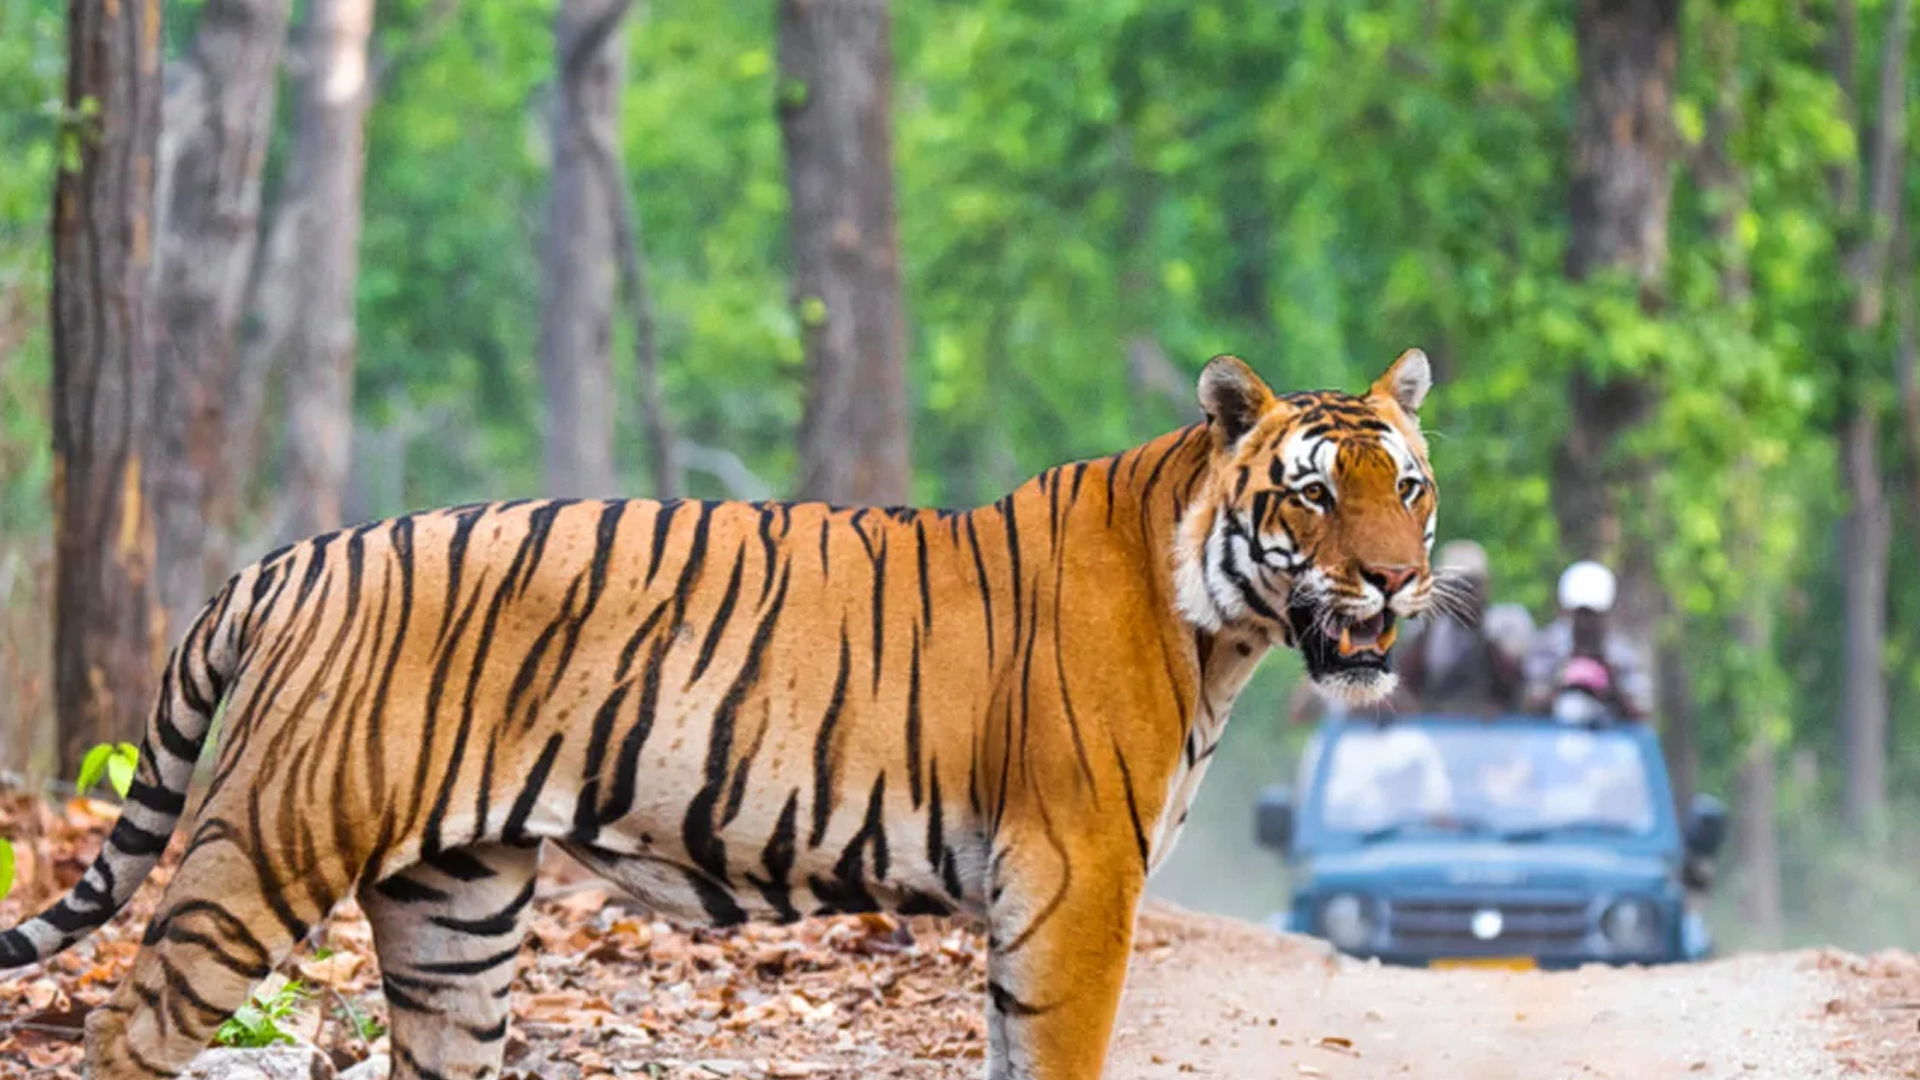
x=1867 y=530
x=1621 y=186
x=580 y=46
x=835 y=95
x=1623 y=137
x=219 y=120
x=304 y=294
x=105 y=642
x=576 y=313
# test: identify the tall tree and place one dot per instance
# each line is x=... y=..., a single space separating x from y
x=304 y=294
x=219 y=119
x=580 y=48
x=835 y=100
x=1867 y=530
x=103 y=375
x=1621 y=188
x=577 y=283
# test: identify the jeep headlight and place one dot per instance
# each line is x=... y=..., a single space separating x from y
x=1632 y=925
x=1347 y=920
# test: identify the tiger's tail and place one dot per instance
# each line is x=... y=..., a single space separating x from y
x=191 y=688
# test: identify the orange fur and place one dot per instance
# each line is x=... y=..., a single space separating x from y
x=734 y=710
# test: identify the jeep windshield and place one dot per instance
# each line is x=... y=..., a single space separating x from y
x=1517 y=783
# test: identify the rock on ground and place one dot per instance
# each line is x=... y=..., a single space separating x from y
x=271 y=1063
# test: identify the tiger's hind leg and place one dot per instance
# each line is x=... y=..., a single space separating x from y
x=229 y=916
x=447 y=931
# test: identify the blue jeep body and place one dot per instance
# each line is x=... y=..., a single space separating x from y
x=1520 y=841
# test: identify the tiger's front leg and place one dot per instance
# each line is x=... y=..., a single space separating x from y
x=1060 y=933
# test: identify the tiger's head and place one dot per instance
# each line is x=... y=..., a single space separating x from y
x=1315 y=521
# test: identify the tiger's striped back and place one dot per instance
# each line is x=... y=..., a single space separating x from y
x=734 y=710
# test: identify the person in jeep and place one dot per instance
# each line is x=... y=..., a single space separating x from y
x=1469 y=664
x=1466 y=662
x=1581 y=663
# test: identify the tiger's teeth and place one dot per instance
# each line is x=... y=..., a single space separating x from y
x=1346 y=641
x=1385 y=640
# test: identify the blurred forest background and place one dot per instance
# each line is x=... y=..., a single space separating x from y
x=325 y=260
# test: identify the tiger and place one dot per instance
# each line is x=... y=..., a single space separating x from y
x=750 y=710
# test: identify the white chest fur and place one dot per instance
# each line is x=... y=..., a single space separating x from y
x=1225 y=673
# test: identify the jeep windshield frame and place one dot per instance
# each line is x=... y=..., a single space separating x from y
x=1649 y=827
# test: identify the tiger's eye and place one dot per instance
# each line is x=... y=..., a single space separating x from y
x=1410 y=487
x=1317 y=494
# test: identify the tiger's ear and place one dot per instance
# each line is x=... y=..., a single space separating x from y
x=1234 y=398
x=1407 y=381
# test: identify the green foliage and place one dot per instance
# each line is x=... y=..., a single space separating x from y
x=32 y=59
x=113 y=762
x=365 y=1026
x=1093 y=198
x=6 y=868
x=257 y=1023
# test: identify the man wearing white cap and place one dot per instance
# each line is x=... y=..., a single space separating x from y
x=1580 y=648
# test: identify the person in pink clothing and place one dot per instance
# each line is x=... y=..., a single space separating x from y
x=1582 y=655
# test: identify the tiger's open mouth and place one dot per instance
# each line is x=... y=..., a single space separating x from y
x=1335 y=645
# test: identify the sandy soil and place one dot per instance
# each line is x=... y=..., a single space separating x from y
x=1213 y=997
x=1221 y=998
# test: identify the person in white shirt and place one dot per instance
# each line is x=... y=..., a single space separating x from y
x=1582 y=648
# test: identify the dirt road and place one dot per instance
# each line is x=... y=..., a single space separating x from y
x=1211 y=997
x=1214 y=997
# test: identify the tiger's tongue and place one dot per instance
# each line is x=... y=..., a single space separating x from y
x=1365 y=634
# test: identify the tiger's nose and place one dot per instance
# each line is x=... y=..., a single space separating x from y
x=1391 y=579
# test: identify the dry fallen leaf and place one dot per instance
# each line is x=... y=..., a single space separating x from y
x=1336 y=1043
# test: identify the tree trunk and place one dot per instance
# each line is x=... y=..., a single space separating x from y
x=1868 y=528
x=1759 y=846
x=1620 y=191
x=1621 y=185
x=1867 y=534
x=835 y=98
x=576 y=314
x=105 y=643
x=1623 y=137
x=305 y=293
x=219 y=120
x=1884 y=150
x=581 y=44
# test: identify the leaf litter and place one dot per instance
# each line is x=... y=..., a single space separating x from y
x=604 y=988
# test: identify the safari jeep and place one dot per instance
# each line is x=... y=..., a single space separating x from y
x=1518 y=842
